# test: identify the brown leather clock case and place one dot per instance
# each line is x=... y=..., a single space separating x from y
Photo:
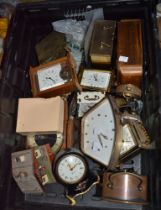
x=125 y=187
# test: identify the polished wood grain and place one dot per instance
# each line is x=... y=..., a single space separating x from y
x=129 y=44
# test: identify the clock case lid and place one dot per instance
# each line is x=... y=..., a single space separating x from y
x=114 y=160
x=69 y=86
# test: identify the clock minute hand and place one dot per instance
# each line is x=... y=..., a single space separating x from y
x=100 y=140
x=50 y=79
x=95 y=77
x=69 y=166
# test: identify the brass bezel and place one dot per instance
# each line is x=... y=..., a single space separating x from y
x=114 y=161
x=97 y=88
x=125 y=154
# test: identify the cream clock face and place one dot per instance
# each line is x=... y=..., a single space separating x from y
x=71 y=168
x=128 y=142
x=50 y=77
x=96 y=79
x=98 y=132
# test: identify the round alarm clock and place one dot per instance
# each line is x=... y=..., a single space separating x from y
x=71 y=168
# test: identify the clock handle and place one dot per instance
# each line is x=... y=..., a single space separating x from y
x=112 y=175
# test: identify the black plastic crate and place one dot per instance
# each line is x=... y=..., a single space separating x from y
x=30 y=23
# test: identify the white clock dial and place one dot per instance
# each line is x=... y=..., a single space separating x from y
x=128 y=140
x=98 y=132
x=96 y=79
x=71 y=169
x=50 y=77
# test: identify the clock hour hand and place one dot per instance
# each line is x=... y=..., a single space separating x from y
x=92 y=145
x=74 y=166
x=95 y=77
x=69 y=166
x=104 y=136
x=50 y=79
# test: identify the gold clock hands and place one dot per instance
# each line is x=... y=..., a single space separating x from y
x=74 y=166
x=69 y=166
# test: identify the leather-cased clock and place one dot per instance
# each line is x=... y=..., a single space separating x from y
x=54 y=78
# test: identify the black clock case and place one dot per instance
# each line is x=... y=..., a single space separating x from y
x=30 y=23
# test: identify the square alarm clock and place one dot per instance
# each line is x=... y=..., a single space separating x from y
x=96 y=79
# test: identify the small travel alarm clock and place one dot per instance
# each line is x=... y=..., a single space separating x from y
x=96 y=79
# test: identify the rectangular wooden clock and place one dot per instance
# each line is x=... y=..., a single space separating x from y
x=129 y=52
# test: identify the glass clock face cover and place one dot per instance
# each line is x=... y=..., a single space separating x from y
x=96 y=79
x=52 y=76
x=98 y=132
x=128 y=140
x=71 y=169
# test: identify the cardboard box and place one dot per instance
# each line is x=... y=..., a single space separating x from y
x=40 y=116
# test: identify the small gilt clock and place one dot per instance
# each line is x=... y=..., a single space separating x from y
x=134 y=138
x=129 y=142
x=96 y=79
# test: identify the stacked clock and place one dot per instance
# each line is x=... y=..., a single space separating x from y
x=110 y=127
